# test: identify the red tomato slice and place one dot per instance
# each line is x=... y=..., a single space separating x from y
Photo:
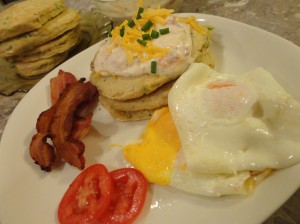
x=130 y=189
x=88 y=197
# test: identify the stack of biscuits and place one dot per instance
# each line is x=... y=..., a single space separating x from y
x=37 y=35
x=137 y=97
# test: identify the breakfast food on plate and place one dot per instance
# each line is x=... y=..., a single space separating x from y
x=137 y=108
x=152 y=100
x=65 y=123
x=99 y=196
x=28 y=16
x=143 y=54
x=40 y=38
x=222 y=134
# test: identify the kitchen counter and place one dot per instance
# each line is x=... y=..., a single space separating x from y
x=281 y=17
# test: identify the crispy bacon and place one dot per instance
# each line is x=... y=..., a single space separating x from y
x=44 y=120
x=73 y=97
x=65 y=123
x=41 y=152
x=58 y=84
x=82 y=127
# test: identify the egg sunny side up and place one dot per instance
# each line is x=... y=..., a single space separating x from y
x=221 y=135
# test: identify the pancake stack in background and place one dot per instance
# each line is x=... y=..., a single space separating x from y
x=37 y=35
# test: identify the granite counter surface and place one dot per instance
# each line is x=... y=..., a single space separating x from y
x=281 y=17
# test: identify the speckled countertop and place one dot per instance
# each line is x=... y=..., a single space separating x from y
x=281 y=17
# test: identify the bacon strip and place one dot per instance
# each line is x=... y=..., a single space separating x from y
x=82 y=127
x=65 y=123
x=44 y=120
x=40 y=151
x=71 y=149
x=58 y=84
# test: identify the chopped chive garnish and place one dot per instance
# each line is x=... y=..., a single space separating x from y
x=147 y=26
x=146 y=36
x=140 y=11
x=109 y=34
x=154 y=34
x=210 y=28
x=131 y=23
x=142 y=42
x=122 y=31
x=164 y=31
x=153 y=66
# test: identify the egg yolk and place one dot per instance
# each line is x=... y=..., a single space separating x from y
x=155 y=152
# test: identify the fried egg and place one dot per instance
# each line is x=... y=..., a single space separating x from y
x=232 y=130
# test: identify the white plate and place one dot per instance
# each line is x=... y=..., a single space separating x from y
x=29 y=195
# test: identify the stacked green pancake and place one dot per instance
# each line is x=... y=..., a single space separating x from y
x=36 y=35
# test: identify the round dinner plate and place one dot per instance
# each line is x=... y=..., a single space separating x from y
x=29 y=195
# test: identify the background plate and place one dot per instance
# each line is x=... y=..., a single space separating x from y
x=29 y=195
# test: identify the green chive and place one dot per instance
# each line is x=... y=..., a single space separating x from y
x=142 y=42
x=131 y=23
x=153 y=66
x=210 y=28
x=122 y=31
x=154 y=34
x=109 y=34
x=146 y=36
x=164 y=31
x=140 y=11
x=147 y=26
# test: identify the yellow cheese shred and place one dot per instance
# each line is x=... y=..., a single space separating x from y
x=194 y=24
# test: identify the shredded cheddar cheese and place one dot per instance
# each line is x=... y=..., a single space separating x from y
x=194 y=24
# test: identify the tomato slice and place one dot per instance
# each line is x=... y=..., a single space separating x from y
x=88 y=196
x=130 y=189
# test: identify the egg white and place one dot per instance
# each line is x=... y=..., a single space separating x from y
x=229 y=127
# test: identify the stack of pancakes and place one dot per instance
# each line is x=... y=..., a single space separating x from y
x=137 y=97
x=37 y=35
